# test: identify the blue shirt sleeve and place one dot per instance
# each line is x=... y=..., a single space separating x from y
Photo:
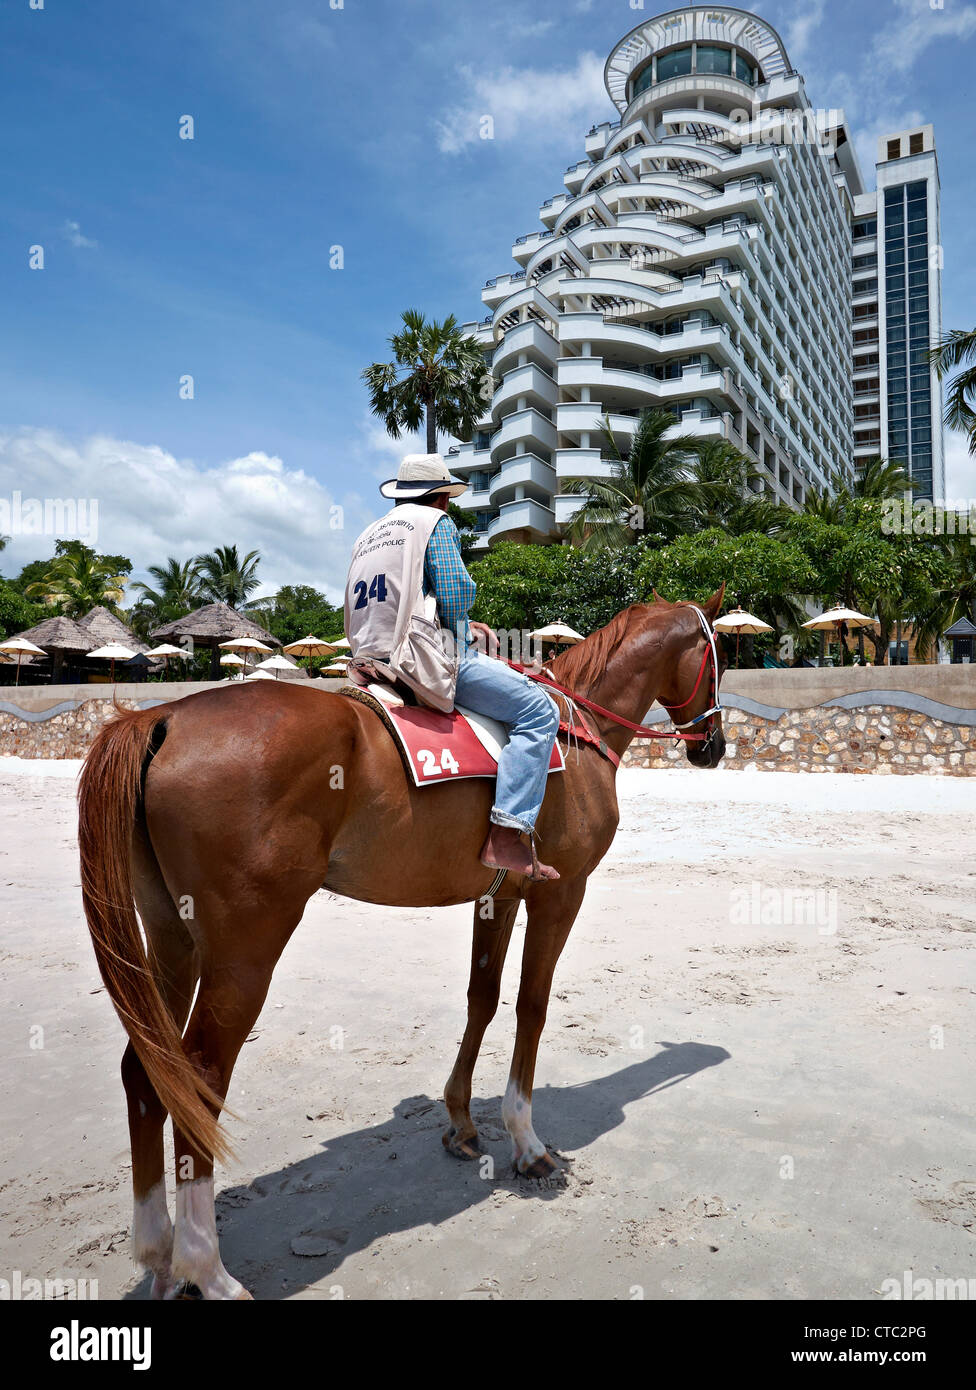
x=446 y=577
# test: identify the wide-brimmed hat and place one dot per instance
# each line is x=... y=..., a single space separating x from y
x=420 y=475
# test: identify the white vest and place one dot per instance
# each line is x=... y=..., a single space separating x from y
x=389 y=624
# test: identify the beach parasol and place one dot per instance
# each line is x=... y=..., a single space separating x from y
x=113 y=652
x=22 y=648
x=836 y=618
x=308 y=647
x=739 y=621
x=276 y=664
x=557 y=632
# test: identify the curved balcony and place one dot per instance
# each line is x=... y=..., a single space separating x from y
x=528 y=338
x=529 y=383
x=533 y=475
x=523 y=520
x=526 y=427
x=583 y=463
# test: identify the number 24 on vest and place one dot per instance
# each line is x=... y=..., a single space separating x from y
x=377 y=590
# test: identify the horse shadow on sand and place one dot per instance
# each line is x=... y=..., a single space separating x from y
x=291 y=1229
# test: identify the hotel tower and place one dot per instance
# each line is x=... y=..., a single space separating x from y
x=716 y=255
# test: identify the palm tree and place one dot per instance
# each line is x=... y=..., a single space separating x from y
x=78 y=581
x=178 y=590
x=879 y=480
x=652 y=490
x=724 y=475
x=438 y=378
x=954 y=599
x=956 y=349
x=227 y=578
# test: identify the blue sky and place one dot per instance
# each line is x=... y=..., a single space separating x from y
x=315 y=127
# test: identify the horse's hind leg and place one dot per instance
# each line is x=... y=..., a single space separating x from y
x=241 y=948
x=174 y=962
x=552 y=909
x=489 y=946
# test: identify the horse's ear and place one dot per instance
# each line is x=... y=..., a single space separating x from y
x=713 y=607
x=657 y=597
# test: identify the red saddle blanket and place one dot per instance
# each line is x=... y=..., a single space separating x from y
x=444 y=747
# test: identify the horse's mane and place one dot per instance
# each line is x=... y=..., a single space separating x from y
x=583 y=665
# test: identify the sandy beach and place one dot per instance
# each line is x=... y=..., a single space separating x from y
x=757 y=1069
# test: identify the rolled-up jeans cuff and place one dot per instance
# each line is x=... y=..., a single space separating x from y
x=510 y=822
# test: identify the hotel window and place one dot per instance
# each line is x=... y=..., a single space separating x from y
x=717 y=60
x=894 y=149
x=744 y=71
x=865 y=226
x=676 y=64
x=482 y=440
x=915 y=143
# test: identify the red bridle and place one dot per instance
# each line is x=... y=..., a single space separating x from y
x=644 y=730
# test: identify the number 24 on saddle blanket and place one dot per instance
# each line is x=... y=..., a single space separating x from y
x=439 y=747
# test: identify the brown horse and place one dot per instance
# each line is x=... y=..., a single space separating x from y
x=221 y=814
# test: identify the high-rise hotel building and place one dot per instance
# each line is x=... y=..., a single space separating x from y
x=701 y=260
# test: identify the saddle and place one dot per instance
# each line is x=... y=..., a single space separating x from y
x=439 y=747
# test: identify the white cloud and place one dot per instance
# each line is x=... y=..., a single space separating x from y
x=960 y=468
x=801 y=27
x=152 y=505
x=71 y=231
x=525 y=104
x=917 y=25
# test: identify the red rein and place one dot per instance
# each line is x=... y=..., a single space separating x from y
x=643 y=729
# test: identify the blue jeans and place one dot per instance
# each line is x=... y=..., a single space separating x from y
x=532 y=718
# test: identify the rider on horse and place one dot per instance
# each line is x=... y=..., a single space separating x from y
x=411 y=554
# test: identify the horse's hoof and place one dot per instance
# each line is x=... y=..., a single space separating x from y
x=542 y=1167
x=458 y=1147
x=244 y=1297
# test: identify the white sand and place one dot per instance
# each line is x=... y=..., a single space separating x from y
x=748 y=1108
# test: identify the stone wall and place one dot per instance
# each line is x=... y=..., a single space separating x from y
x=873 y=738
x=884 y=720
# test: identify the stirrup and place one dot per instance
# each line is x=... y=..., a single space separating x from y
x=536 y=876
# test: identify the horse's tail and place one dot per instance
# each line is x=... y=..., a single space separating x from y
x=110 y=801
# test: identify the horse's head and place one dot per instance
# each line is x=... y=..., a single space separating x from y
x=690 y=693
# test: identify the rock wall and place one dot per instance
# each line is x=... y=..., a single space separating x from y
x=836 y=721
x=872 y=738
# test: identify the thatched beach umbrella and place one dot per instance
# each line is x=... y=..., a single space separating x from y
x=210 y=626
x=16 y=648
x=58 y=636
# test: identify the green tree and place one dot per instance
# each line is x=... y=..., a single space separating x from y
x=437 y=380
x=467 y=535
x=651 y=494
x=226 y=577
x=957 y=349
x=77 y=580
x=17 y=613
x=177 y=591
x=763 y=574
x=724 y=476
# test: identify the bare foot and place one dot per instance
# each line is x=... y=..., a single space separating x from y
x=505 y=849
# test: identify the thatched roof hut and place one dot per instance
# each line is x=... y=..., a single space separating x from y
x=106 y=628
x=58 y=636
x=211 y=625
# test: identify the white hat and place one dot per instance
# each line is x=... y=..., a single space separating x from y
x=420 y=475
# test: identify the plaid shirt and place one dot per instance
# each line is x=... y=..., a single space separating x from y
x=447 y=579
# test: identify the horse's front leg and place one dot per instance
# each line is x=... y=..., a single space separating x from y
x=552 y=909
x=492 y=934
